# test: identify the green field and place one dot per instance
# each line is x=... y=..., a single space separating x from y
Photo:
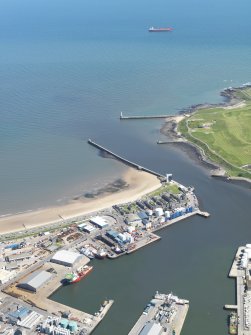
x=224 y=134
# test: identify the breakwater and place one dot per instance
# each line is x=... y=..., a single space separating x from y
x=124 y=160
x=143 y=117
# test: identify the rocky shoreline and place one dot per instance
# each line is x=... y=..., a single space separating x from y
x=228 y=94
x=169 y=129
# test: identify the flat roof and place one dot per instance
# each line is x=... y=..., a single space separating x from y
x=98 y=220
x=89 y=228
x=151 y=328
x=81 y=225
x=66 y=256
x=4 y=274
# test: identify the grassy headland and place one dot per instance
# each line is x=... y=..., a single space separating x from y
x=223 y=132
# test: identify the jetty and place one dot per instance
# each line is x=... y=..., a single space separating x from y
x=171 y=141
x=231 y=307
x=165 y=314
x=241 y=271
x=143 y=117
x=124 y=160
x=204 y=214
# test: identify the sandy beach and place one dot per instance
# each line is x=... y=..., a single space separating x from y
x=139 y=183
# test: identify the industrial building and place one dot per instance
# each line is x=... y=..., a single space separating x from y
x=5 y=276
x=32 y=319
x=18 y=257
x=58 y=326
x=151 y=328
x=86 y=227
x=133 y=219
x=12 y=266
x=143 y=216
x=66 y=258
x=36 y=280
x=99 y=222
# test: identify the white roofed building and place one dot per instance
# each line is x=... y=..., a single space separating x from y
x=5 y=276
x=99 y=222
x=151 y=328
x=66 y=257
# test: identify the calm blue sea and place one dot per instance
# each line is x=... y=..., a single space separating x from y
x=68 y=68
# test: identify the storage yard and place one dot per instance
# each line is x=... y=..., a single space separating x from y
x=165 y=314
x=34 y=265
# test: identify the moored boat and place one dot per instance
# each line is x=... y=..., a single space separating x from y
x=101 y=254
x=233 y=321
x=76 y=276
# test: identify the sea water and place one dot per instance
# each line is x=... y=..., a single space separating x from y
x=68 y=68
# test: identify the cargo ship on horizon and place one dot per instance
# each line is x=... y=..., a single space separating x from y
x=76 y=276
x=156 y=30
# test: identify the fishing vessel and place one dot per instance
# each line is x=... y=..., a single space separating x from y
x=233 y=321
x=76 y=276
x=101 y=254
x=88 y=251
x=156 y=30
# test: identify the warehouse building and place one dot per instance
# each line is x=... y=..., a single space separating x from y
x=133 y=220
x=66 y=258
x=86 y=227
x=151 y=328
x=18 y=257
x=99 y=222
x=5 y=276
x=36 y=280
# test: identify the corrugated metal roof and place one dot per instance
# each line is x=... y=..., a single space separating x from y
x=151 y=328
x=37 y=279
x=99 y=221
x=143 y=215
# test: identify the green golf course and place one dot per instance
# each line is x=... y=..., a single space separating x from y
x=224 y=133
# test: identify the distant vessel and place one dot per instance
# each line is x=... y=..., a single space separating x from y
x=156 y=30
x=76 y=276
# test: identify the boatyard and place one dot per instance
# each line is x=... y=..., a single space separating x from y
x=240 y=318
x=165 y=314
